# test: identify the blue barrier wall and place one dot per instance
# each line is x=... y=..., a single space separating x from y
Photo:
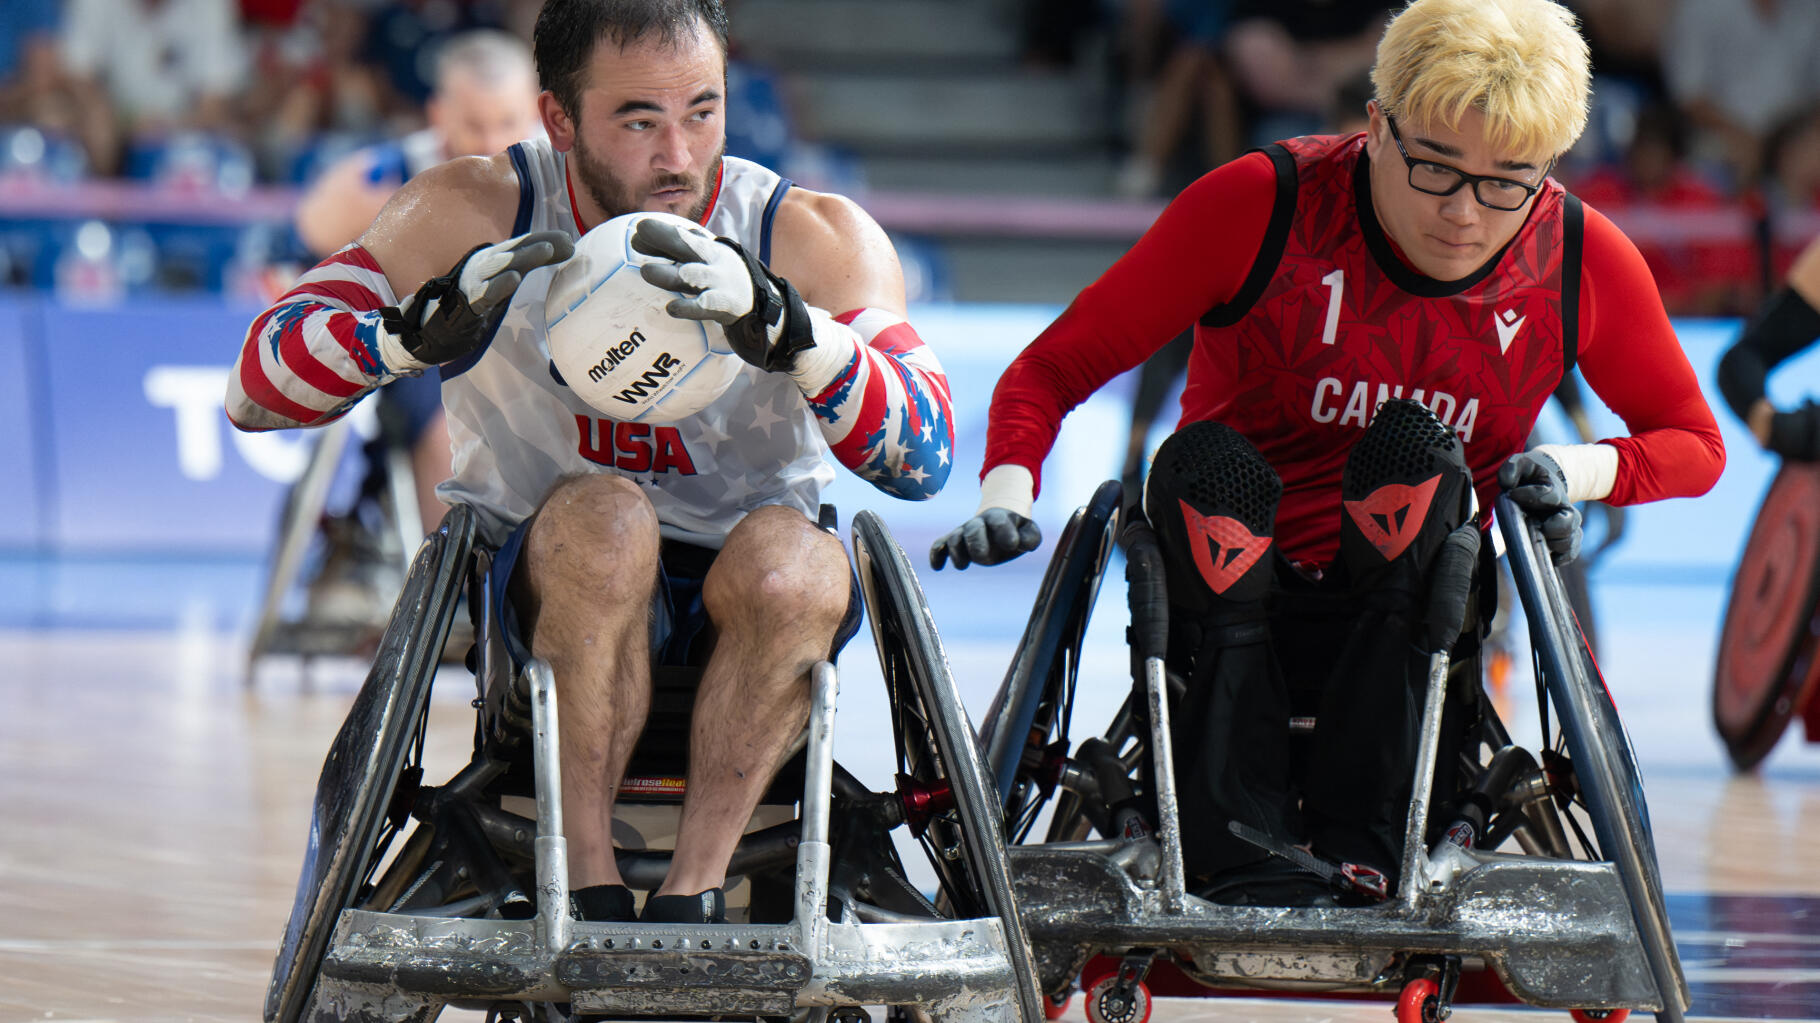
x=113 y=440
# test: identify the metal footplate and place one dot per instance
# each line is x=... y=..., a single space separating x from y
x=1559 y=933
x=686 y=973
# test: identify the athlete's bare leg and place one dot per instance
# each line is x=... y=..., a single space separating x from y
x=583 y=596
x=776 y=595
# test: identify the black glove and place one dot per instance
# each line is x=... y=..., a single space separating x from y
x=452 y=315
x=765 y=320
x=993 y=536
x=1795 y=435
x=1538 y=486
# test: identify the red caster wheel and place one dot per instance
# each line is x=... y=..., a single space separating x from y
x=1056 y=1006
x=1600 y=1015
x=1420 y=1002
x=1107 y=1003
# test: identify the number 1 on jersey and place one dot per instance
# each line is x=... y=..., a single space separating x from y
x=1334 y=281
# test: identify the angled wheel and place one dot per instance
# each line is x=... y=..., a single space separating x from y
x=948 y=798
x=1031 y=713
x=353 y=821
x=1767 y=649
x=1599 y=751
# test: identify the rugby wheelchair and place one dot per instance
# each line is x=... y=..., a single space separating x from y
x=366 y=549
x=415 y=897
x=1571 y=916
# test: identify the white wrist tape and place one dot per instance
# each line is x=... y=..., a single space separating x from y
x=835 y=346
x=1011 y=487
x=1591 y=469
x=393 y=353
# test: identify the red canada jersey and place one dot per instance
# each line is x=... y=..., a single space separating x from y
x=1331 y=323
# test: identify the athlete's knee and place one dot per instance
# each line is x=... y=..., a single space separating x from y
x=595 y=534
x=1405 y=487
x=1213 y=501
x=778 y=569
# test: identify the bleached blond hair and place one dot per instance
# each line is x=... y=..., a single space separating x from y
x=1522 y=63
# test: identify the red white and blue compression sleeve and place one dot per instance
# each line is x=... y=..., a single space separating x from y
x=312 y=355
x=882 y=401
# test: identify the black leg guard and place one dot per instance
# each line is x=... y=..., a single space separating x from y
x=1405 y=487
x=1213 y=499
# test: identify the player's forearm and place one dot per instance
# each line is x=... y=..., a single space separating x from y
x=881 y=399
x=317 y=350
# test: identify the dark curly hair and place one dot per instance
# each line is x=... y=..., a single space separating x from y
x=568 y=30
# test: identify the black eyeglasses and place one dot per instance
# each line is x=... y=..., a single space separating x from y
x=1502 y=194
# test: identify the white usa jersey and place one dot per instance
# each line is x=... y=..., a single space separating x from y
x=515 y=430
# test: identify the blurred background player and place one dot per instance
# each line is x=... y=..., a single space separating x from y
x=1787 y=324
x=484 y=99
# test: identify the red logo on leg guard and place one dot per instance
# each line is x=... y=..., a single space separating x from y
x=1230 y=549
x=1391 y=516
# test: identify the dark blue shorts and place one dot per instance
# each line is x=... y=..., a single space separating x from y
x=677 y=615
x=410 y=404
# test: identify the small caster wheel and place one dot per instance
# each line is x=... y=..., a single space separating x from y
x=1056 y=1006
x=1108 y=1002
x=1600 y=1015
x=1420 y=1002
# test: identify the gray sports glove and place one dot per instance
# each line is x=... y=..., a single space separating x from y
x=764 y=318
x=993 y=536
x=453 y=315
x=1538 y=486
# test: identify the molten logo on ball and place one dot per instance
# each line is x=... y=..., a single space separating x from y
x=615 y=355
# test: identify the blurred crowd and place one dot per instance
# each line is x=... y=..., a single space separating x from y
x=1700 y=107
x=1705 y=127
x=199 y=103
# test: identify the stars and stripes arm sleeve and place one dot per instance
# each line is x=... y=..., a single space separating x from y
x=307 y=359
x=885 y=408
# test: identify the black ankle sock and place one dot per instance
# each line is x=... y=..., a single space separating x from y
x=602 y=903
x=709 y=907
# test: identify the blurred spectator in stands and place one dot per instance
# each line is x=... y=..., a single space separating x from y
x=1738 y=67
x=485 y=100
x=1697 y=277
x=1348 y=116
x=30 y=69
x=309 y=91
x=147 y=67
x=1193 y=78
x=1791 y=187
x=402 y=38
x=1053 y=30
x=1290 y=57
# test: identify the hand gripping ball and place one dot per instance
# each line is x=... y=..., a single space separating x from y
x=612 y=343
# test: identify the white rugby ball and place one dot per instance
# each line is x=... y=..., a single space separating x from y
x=612 y=343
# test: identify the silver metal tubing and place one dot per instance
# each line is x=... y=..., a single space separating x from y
x=307 y=497
x=1172 y=884
x=401 y=483
x=552 y=848
x=1415 y=845
x=812 y=856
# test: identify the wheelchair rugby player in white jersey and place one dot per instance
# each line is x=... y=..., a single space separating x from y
x=619 y=547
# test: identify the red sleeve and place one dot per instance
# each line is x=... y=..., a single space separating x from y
x=1193 y=258
x=1632 y=360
